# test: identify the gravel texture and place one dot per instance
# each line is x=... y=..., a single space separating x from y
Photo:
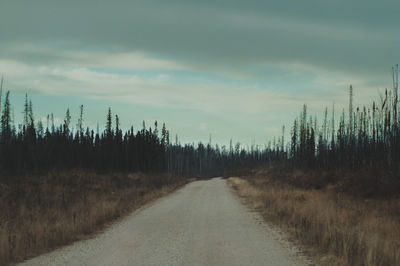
x=203 y=223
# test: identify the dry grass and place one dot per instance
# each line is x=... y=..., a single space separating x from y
x=44 y=212
x=355 y=231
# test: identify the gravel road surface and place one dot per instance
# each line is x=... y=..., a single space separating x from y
x=203 y=223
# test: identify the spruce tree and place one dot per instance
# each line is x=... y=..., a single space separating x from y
x=26 y=113
x=67 y=122
x=109 y=124
x=6 y=120
x=80 y=120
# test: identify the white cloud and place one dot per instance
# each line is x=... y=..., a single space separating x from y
x=163 y=90
x=131 y=60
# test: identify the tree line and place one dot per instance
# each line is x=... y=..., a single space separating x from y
x=363 y=137
x=37 y=146
x=366 y=137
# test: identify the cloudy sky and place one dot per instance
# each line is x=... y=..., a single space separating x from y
x=233 y=69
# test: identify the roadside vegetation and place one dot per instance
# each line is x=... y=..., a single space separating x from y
x=42 y=212
x=335 y=227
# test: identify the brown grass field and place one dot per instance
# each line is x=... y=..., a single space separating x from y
x=340 y=228
x=41 y=213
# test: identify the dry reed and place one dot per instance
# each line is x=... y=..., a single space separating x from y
x=354 y=230
x=39 y=214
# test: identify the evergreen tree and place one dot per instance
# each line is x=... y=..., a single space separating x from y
x=6 y=120
x=67 y=122
x=109 y=124
x=26 y=112
x=31 y=118
x=80 y=120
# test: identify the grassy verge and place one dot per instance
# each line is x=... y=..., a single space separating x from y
x=353 y=230
x=41 y=213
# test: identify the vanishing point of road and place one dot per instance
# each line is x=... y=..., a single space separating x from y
x=203 y=223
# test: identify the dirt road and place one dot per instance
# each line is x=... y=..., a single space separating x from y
x=203 y=223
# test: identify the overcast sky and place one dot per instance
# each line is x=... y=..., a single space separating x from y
x=233 y=69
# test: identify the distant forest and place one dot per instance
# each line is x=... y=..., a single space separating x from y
x=365 y=137
x=37 y=146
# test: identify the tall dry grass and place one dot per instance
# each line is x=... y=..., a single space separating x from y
x=356 y=231
x=40 y=213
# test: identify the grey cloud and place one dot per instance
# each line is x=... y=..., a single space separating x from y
x=349 y=36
